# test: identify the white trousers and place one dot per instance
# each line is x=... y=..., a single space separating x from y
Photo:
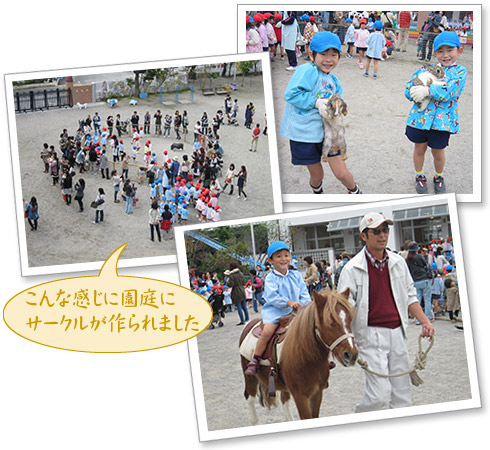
x=385 y=353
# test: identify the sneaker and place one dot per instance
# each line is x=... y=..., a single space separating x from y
x=361 y=66
x=355 y=191
x=366 y=73
x=421 y=184
x=291 y=68
x=375 y=75
x=439 y=186
x=253 y=368
x=282 y=57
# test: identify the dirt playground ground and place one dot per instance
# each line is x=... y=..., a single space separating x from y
x=379 y=153
x=66 y=236
x=446 y=377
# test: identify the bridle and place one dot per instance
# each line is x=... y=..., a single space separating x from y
x=334 y=344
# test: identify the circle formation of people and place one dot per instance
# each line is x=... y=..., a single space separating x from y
x=176 y=183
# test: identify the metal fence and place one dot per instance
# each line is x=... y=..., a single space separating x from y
x=40 y=100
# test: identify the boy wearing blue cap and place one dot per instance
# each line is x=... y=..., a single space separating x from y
x=376 y=41
x=306 y=103
x=433 y=126
x=349 y=37
x=284 y=291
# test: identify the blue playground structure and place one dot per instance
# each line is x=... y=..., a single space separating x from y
x=219 y=246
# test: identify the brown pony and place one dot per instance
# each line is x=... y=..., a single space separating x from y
x=321 y=327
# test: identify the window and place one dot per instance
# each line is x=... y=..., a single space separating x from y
x=317 y=237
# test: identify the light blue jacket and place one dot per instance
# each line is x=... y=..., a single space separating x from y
x=349 y=35
x=301 y=120
x=442 y=112
x=278 y=290
x=376 y=41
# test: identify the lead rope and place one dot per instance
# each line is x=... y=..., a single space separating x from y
x=419 y=364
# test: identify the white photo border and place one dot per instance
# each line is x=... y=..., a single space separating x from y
x=476 y=196
x=133 y=262
x=337 y=213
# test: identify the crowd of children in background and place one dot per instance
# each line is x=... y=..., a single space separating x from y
x=176 y=184
x=438 y=256
x=264 y=31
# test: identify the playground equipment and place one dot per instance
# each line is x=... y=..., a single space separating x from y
x=226 y=88
x=179 y=93
x=219 y=246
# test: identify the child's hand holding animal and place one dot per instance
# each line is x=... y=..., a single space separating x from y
x=418 y=93
x=321 y=105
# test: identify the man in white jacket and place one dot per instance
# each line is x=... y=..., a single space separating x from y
x=382 y=291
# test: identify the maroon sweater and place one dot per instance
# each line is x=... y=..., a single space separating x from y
x=382 y=308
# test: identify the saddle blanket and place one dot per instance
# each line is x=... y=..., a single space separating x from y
x=247 y=349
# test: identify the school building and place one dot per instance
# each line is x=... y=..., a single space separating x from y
x=324 y=237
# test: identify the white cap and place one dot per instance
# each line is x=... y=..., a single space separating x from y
x=373 y=220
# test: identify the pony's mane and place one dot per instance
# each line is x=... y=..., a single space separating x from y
x=301 y=341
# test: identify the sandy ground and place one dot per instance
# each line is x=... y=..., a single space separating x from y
x=379 y=153
x=445 y=377
x=66 y=236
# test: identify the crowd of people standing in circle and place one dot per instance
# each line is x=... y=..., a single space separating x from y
x=121 y=152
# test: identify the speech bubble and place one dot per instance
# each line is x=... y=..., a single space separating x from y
x=107 y=313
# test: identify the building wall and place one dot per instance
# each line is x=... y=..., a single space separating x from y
x=81 y=93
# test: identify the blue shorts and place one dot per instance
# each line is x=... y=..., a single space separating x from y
x=306 y=153
x=435 y=139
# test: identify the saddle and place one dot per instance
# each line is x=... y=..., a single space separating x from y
x=270 y=352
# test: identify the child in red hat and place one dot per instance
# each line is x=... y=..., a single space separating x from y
x=360 y=43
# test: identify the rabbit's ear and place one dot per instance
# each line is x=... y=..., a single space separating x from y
x=344 y=107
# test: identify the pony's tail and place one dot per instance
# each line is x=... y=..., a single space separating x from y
x=264 y=399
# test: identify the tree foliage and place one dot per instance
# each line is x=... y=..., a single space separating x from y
x=237 y=239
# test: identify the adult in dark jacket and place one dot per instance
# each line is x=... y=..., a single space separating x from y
x=419 y=271
x=236 y=281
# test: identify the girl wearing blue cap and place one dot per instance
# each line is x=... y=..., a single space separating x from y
x=433 y=126
x=284 y=291
x=306 y=102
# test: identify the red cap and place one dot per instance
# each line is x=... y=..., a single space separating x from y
x=248 y=18
x=216 y=207
x=258 y=17
x=278 y=16
x=312 y=18
x=363 y=21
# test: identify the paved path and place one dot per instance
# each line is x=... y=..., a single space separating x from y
x=445 y=377
x=66 y=236
x=379 y=153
